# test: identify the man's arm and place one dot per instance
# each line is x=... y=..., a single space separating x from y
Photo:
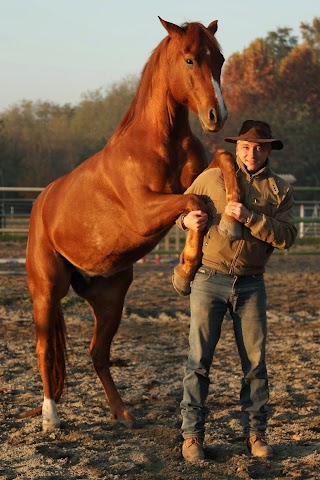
x=279 y=231
x=196 y=220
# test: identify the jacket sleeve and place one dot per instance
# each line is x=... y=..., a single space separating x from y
x=279 y=231
x=201 y=187
x=181 y=217
x=179 y=222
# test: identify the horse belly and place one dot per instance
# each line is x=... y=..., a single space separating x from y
x=101 y=247
x=108 y=260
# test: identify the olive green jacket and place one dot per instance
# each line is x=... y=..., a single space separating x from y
x=271 y=226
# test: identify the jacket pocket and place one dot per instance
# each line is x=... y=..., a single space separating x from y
x=268 y=206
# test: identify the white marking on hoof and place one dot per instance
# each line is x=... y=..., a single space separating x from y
x=50 y=419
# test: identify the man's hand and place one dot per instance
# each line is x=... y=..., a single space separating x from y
x=196 y=220
x=238 y=211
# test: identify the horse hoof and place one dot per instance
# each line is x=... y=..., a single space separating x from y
x=49 y=426
x=126 y=419
x=231 y=230
x=180 y=284
x=127 y=423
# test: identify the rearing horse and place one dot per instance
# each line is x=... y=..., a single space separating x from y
x=88 y=227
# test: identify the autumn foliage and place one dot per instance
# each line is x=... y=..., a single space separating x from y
x=277 y=80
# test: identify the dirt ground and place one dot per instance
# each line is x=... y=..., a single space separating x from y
x=152 y=344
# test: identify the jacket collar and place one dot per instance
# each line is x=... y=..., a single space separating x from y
x=264 y=171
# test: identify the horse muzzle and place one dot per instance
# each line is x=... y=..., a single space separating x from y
x=213 y=119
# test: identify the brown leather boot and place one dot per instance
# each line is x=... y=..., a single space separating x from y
x=258 y=447
x=192 y=450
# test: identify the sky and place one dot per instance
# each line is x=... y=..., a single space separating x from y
x=59 y=50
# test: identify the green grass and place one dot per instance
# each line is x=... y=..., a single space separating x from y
x=10 y=237
x=308 y=241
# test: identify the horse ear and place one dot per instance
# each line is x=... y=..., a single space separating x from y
x=213 y=27
x=171 y=28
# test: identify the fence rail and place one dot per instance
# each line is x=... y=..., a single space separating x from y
x=16 y=204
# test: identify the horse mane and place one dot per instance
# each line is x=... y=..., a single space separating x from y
x=144 y=84
x=197 y=35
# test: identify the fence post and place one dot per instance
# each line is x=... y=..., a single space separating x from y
x=177 y=239
x=301 y=224
x=167 y=242
x=3 y=215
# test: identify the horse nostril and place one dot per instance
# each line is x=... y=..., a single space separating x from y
x=212 y=116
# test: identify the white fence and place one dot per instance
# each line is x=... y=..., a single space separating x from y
x=16 y=204
x=309 y=211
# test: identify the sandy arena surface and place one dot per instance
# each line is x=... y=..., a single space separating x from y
x=150 y=351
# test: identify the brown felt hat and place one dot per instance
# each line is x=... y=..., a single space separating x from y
x=258 y=132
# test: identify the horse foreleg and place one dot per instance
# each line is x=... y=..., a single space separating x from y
x=191 y=255
x=190 y=260
x=228 y=226
x=106 y=296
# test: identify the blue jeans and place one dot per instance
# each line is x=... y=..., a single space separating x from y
x=212 y=294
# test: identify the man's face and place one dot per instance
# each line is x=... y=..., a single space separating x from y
x=253 y=155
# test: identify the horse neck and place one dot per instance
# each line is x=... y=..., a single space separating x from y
x=154 y=108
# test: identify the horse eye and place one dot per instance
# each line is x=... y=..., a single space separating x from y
x=189 y=61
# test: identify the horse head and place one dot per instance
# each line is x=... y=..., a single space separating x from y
x=195 y=62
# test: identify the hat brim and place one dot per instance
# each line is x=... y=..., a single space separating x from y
x=275 y=143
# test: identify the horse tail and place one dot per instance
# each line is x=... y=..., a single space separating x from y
x=60 y=355
x=59 y=364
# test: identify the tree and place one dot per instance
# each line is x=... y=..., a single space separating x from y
x=40 y=141
x=311 y=34
x=299 y=80
x=277 y=80
x=98 y=115
x=37 y=142
x=280 y=43
x=252 y=77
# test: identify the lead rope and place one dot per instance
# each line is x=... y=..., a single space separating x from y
x=233 y=291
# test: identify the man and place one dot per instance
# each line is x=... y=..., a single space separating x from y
x=231 y=279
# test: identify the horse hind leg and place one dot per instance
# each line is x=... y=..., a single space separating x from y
x=51 y=353
x=106 y=296
x=48 y=282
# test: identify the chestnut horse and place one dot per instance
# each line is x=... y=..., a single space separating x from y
x=88 y=227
